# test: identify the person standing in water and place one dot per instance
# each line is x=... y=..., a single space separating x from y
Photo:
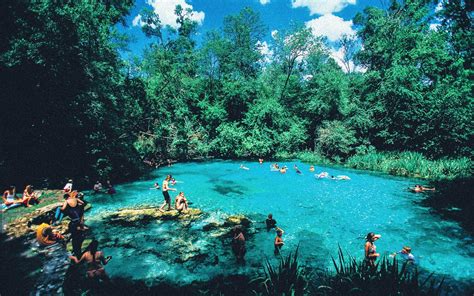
x=278 y=241
x=406 y=255
x=164 y=189
x=95 y=261
x=370 y=250
x=271 y=223
x=238 y=244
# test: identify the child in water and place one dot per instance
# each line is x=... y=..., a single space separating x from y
x=278 y=241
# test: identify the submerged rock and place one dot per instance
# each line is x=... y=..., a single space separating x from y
x=148 y=214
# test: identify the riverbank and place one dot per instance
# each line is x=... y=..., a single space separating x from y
x=403 y=164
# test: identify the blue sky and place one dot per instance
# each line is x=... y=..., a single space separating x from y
x=330 y=18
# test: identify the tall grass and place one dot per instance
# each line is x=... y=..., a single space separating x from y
x=412 y=164
x=386 y=278
x=285 y=279
x=350 y=277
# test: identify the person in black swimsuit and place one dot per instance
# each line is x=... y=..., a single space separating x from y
x=271 y=223
x=164 y=189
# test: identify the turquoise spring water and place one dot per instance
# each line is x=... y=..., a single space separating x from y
x=316 y=214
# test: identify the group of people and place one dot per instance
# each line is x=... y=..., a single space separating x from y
x=238 y=239
x=371 y=255
x=73 y=207
x=181 y=202
x=99 y=188
x=11 y=200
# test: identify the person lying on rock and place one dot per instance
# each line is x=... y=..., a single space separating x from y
x=46 y=235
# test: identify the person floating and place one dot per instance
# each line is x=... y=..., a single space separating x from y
x=238 y=244
x=95 y=261
x=322 y=175
x=68 y=187
x=421 y=188
x=343 y=177
x=164 y=189
x=283 y=169
x=46 y=235
x=311 y=168
x=270 y=222
x=181 y=203
x=98 y=187
x=242 y=167
x=274 y=167
x=370 y=248
x=297 y=169
x=278 y=241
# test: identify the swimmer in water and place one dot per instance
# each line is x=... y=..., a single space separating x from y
x=260 y=160
x=420 y=188
x=271 y=223
x=343 y=177
x=242 y=167
x=278 y=241
x=406 y=254
x=283 y=169
x=311 y=168
x=297 y=170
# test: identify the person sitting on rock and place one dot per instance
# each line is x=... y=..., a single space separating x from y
x=181 y=203
x=29 y=197
x=238 y=244
x=46 y=235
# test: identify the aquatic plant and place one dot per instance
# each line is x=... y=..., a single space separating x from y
x=411 y=164
x=287 y=278
x=387 y=277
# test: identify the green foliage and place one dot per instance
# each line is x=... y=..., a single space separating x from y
x=411 y=164
x=85 y=112
x=287 y=278
x=335 y=139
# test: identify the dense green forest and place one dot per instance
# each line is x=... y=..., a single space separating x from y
x=73 y=108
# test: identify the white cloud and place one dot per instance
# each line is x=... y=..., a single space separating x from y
x=263 y=2
x=137 y=21
x=434 y=27
x=330 y=26
x=274 y=34
x=265 y=50
x=165 y=10
x=338 y=56
x=322 y=6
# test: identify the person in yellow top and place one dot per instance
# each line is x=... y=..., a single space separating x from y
x=46 y=236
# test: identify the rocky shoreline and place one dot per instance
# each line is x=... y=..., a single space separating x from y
x=51 y=273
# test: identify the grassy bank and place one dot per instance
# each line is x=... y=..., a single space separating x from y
x=405 y=164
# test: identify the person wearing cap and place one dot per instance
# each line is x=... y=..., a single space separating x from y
x=68 y=187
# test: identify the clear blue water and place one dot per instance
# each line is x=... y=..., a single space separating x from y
x=316 y=214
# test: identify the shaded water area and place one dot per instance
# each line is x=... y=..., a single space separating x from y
x=316 y=215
